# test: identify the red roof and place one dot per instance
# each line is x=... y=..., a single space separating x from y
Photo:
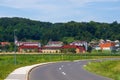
x=4 y=43
x=107 y=44
x=29 y=47
x=45 y=47
x=28 y=43
x=69 y=46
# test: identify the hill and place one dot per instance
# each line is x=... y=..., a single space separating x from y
x=66 y=32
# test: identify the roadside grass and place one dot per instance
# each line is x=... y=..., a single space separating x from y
x=109 y=69
x=7 y=61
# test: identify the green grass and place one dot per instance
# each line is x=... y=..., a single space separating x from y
x=7 y=61
x=109 y=69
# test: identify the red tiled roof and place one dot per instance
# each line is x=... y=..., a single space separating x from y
x=4 y=43
x=30 y=47
x=44 y=47
x=107 y=44
x=28 y=43
x=69 y=46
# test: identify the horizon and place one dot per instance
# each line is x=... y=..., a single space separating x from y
x=61 y=22
x=103 y=11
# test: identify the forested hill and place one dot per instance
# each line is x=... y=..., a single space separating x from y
x=44 y=31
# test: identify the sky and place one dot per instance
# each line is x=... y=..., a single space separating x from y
x=62 y=10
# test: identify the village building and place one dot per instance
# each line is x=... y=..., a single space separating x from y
x=94 y=44
x=4 y=43
x=58 y=47
x=107 y=45
x=117 y=43
x=4 y=46
x=52 y=47
x=77 y=47
x=74 y=49
x=80 y=44
x=29 y=46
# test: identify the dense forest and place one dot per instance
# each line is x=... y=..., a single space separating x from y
x=26 y=29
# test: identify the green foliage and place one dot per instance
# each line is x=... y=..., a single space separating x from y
x=7 y=48
x=89 y=49
x=67 y=40
x=71 y=50
x=66 y=32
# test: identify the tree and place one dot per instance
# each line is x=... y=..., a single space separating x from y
x=66 y=32
x=89 y=49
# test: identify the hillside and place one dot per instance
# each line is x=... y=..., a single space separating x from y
x=66 y=32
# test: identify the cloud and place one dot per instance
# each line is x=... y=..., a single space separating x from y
x=20 y=4
x=46 y=3
x=54 y=10
x=49 y=5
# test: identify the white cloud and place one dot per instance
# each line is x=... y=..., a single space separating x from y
x=53 y=10
x=46 y=3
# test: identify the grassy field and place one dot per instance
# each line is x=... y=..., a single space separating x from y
x=7 y=62
x=109 y=69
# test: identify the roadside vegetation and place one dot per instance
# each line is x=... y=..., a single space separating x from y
x=7 y=62
x=109 y=69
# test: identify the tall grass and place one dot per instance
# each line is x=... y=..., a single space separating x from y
x=7 y=62
x=108 y=68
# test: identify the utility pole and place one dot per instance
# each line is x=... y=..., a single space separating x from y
x=15 y=46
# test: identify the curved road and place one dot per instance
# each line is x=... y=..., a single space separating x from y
x=64 y=71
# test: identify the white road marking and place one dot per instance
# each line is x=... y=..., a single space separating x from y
x=60 y=68
x=63 y=73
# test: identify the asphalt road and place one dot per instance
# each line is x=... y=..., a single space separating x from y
x=64 y=71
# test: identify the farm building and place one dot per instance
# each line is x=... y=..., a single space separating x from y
x=107 y=45
x=29 y=46
x=52 y=47
x=74 y=48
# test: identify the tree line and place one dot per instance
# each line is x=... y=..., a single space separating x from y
x=27 y=29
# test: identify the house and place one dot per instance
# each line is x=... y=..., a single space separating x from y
x=80 y=44
x=4 y=46
x=94 y=44
x=29 y=46
x=74 y=48
x=117 y=45
x=107 y=45
x=4 y=43
x=77 y=47
x=58 y=47
x=97 y=47
x=54 y=44
x=52 y=47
